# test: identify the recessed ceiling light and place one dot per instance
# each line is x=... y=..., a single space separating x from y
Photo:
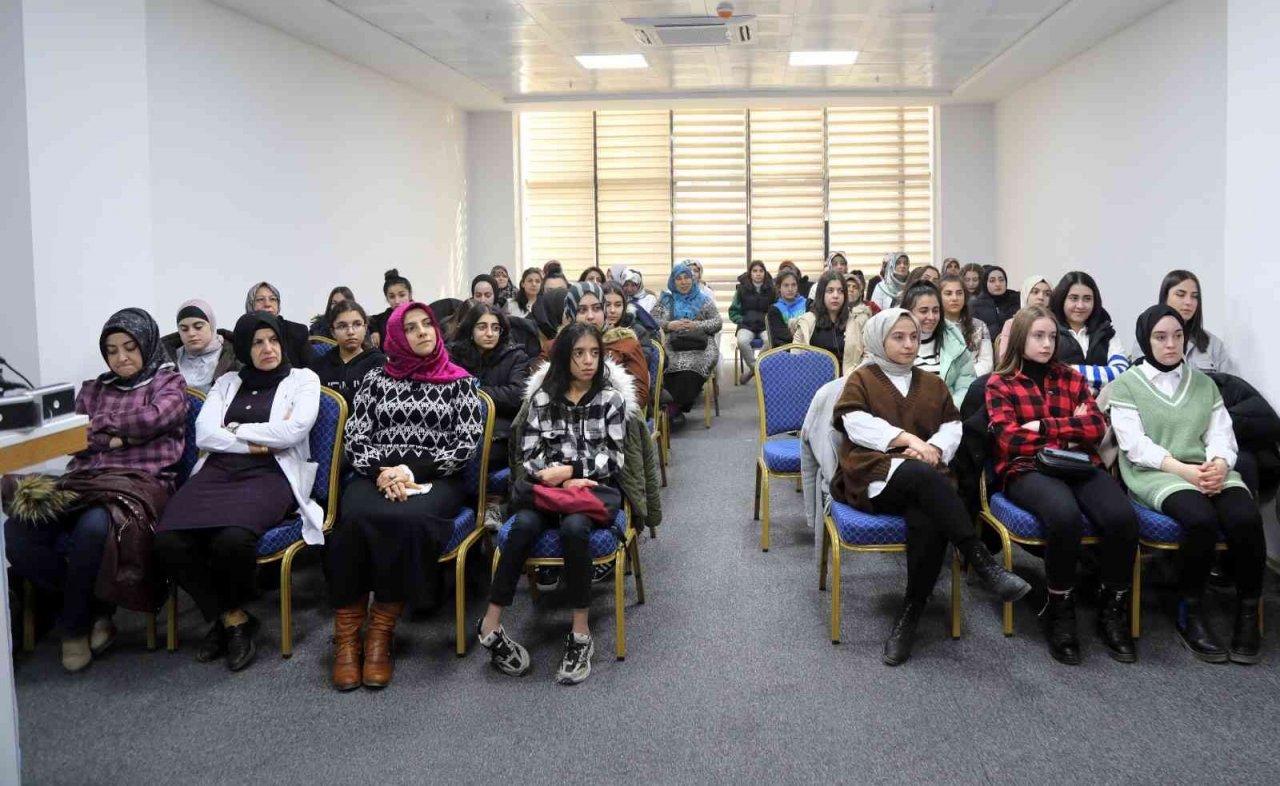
x=611 y=61
x=833 y=58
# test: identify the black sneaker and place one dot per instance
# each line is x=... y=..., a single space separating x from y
x=576 y=665
x=602 y=572
x=241 y=645
x=546 y=579
x=505 y=655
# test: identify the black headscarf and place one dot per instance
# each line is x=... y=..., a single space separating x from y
x=1146 y=323
x=548 y=312
x=499 y=297
x=251 y=376
x=1010 y=296
x=138 y=325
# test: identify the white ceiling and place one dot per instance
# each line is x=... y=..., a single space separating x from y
x=491 y=54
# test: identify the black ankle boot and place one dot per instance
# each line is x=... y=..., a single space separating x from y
x=1246 y=639
x=1113 y=625
x=1009 y=586
x=1195 y=632
x=897 y=648
x=1059 y=619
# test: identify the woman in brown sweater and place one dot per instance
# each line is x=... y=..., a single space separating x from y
x=901 y=430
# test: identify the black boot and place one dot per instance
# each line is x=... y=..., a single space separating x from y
x=1009 y=586
x=897 y=648
x=1246 y=639
x=1113 y=625
x=1195 y=632
x=1059 y=619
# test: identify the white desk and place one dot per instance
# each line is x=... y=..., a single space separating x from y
x=20 y=449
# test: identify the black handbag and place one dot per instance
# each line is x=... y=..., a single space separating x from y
x=687 y=340
x=1064 y=464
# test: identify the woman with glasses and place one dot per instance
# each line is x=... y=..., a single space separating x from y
x=294 y=335
x=343 y=367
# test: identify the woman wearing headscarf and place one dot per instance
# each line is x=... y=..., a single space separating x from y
x=888 y=287
x=506 y=289
x=692 y=324
x=114 y=489
x=415 y=425
x=1177 y=454
x=257 y=469
x=633 y=285
x=695 y=267
x=1036 y=291
x=201 y=351
x=1089 y=341
x=484 y=289
x=996 y=303
x=901 y=429
x=295 y=336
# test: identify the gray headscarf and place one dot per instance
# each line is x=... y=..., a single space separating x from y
x=874 y=334
x=198 y=370
x=889 y=281
x=138 y=325
x=575 y=294
x=249 y=306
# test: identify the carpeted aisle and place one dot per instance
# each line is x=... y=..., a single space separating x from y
x=730 y=678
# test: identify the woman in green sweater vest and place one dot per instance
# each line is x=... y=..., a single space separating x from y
x=1177 y=450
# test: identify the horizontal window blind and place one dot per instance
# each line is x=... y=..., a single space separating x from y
x=788 y=187
x=633 y=201
x=558 y=200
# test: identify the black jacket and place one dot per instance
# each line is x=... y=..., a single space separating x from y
x=297 y=344
x=995 y=312
x=1100 y=335
x=502 y=373
x=226 y=358
x=754 y=305
x=525 y=335
x=345 y=378
x=1257 y=428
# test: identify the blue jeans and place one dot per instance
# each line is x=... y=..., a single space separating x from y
x=72 y=569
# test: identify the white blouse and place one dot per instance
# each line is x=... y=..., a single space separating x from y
x=1220 y=438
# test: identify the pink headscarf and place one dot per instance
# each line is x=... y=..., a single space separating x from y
x=404 y=363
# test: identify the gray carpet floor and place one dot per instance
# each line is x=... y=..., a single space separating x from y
x=730 y=677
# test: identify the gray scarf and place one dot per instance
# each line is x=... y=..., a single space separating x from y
x=874 y=334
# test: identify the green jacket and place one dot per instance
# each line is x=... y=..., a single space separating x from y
x=957 y=363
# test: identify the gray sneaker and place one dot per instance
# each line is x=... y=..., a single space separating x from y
x=576 y=665
x=505 y=655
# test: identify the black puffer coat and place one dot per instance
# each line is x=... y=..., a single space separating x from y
x=502 y=373
x=751 y=306
x=1257 y=428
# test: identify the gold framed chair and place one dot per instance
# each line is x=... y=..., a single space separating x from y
x=658 y=427
x=738 y=363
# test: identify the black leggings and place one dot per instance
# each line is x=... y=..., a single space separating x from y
x=1058 y=504
x=935 y=514
x=684 y=387
x=575 y=544
x=217 y=566
x=1235 y=513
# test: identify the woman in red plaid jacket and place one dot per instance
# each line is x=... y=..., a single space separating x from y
x=1035 y=402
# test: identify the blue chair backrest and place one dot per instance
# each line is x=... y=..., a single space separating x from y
x=789 y=380
x=477 y=467
x=651 y=358
x=190 y=453
x=326 y=442
x=322 y=348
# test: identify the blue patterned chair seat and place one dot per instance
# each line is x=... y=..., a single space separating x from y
x=1156 y=527
x=498 y=481
x=867 y=529
x=463 y=524
x=604 y=540
x=782 y=455
x=280 y=537
x=1023 y=524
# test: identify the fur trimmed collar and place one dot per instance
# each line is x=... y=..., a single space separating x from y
x=619 y=380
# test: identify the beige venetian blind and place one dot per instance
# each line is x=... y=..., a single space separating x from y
x=709 y=170
x=788 y=187
x=558 y=200
x=880 y=183
x=633 y=202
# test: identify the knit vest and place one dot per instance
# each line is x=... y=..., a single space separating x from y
x=922 y=412
x=1176 y=423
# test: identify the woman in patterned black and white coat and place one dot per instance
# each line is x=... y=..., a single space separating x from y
x=414 y=426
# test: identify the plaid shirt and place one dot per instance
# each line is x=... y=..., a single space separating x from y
x=151 y=420
x=1012 y=401
x=587 y=436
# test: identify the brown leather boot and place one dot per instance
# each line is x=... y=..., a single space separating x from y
x=377 y=645
x=347 y=645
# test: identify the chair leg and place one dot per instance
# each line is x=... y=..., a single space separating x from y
x=1135 y=613
x=835 y=592
x=822 y=557
x=460 y=600
x=1008 y=565
x=619 y=601
x=639 y=574
x=737 y=374
x=764 y=505
x=28 y=616
x=151 y=632
x=171 y=619
x=662 y=460
x=756 y=514
x=286 y=604
x=715 y=389
x=706 y=404
x=955 y=594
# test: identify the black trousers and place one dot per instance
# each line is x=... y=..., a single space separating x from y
x=1235 y=513
x=1059 y=503
x=217 y=566
x=685 y=387
x=935 y=514
x=33 y=553
x=575 y=541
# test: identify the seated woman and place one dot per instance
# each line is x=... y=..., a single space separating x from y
x=996 y=303
x=618 y=314
x=585 y=303
x=637 y=295
x=137 y=418
x=257 y=469
x=396 y=289
x=971 y=275
x=855 y=287
x=923 y=273
x=320 y=322
x=201 y=352
x=506 y=290
x=1089 y=342
x=1036 y=403
x=573 y=439
x=1177 y=450
x=887 y=288
x=294 y=335
x=526 y=299
x=484 y=289
x=1180 y=290
x=951 y=267
x=344 y=367
x=483 y=347
x=1036 y=291
x=893 y=460
x=789 y=305
x=955 y=309
x=943 y=350
x=833 y=322
x=692 y=324
x=695 y=267
x=752 y=299
x=415 y=425
x=593 y=274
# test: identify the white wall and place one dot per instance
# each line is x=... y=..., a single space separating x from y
x=273 y=159
x=966 y=183
x=20 y=346
x=491 y=192
x=1113 y=163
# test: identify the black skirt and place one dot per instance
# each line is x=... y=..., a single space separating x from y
x=231 y=490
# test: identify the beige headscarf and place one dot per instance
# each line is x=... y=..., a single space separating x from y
x=1028 y=283
x=874 y=334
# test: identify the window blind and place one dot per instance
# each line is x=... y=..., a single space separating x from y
x=788 y=187
x=633 y=201
x=558 y=200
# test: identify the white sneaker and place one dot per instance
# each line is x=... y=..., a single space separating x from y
x=576 y=665
x=102 y=636
x=493 y=517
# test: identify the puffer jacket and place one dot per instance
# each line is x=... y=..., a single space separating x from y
x=1257 y=428
x=502 y=373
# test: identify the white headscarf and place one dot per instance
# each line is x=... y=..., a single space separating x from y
x=874 y=334
x=1030 y=282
